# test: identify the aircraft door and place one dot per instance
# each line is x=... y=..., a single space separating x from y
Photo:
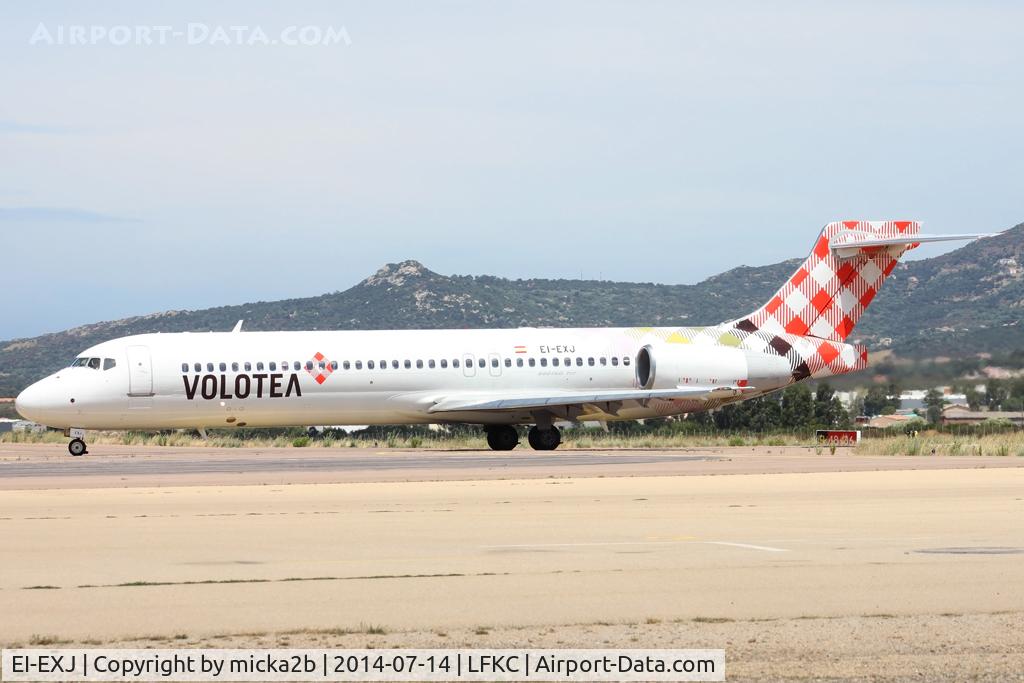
x=140 y=371
x=494 y=363
x=468 y=365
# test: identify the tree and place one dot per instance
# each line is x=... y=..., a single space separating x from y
x=974 y=398
x=875 y=400
x=828 y=410
x=797 y=407
x=995 y=394
x=934 y=401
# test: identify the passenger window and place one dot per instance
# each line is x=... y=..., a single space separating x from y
x=604 y=361
x=323 y=365
x=481 y=363
x=259 y=366
x=419 y=364
x=273 y=366
x=543 y=362
x=615 y=360
x=494 y=362
x=223 y=367
x=455 y=362
x=519 y=362
x=298 y=366
x=209 y=367
x=383 y=365
x=394 y=364
x=184 y=367
x=579 y=362
x=309 y=365
x=234 y=367
x=430 y=363
x=359 y=365
x=369 y=365
x=508 y=362
x=444 y=362
x=334 y=365
x=554 y=362
x=198 y=367
x=625 y=360
x=533 y=362
x=590 y=361
x=407 y=364
x=248 y=366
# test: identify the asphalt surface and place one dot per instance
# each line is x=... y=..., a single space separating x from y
x=39 y=466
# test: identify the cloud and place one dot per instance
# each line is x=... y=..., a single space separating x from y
x=47 y=214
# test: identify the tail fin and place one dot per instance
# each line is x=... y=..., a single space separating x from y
x=829 y=292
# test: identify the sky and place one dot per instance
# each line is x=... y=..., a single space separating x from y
x=636 y=141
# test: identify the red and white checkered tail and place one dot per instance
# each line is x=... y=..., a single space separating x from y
x=829 y=292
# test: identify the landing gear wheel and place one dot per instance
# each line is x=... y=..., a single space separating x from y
x=544 y=439
x=76 y=447
x=502 y=437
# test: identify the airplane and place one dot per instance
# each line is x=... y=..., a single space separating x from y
x=497 y=378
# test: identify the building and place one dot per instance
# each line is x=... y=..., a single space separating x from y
x=959 y=415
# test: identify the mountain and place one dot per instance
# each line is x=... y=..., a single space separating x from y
x=961 y=303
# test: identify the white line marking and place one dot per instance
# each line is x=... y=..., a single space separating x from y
x=748 y=545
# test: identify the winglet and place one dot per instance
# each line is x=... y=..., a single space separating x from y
x=238 y=326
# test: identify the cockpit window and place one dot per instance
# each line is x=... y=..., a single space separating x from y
x=79 y=362
x=109 y=363
x=94 y=363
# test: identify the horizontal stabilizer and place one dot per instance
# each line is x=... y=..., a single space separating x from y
x=849 y=243
x=501 y=401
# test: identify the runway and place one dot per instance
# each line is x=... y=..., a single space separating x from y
x=36 y=466
x=768 y=563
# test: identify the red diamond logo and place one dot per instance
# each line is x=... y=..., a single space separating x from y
x=319 y=368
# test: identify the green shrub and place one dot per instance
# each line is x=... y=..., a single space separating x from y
x=737 y=441
x=300 y=442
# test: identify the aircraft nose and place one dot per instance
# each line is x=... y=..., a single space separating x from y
x=32 y=402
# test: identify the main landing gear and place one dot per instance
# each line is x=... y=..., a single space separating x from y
x=505 y=437
x=546 y=439
x=502 y=437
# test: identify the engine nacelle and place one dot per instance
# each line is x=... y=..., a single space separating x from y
x=666 y=366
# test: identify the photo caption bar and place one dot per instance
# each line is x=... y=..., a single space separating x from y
x=454 y=664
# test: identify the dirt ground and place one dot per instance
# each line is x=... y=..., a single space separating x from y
x=875 y=572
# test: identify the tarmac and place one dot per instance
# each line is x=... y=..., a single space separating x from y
x=762 y=551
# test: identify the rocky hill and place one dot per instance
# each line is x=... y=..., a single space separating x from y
x=964 y=302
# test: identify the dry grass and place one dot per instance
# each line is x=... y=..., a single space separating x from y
x=935 y=443
x=926 y=443
x=572 y=439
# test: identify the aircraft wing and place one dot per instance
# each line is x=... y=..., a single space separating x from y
x=499 y=401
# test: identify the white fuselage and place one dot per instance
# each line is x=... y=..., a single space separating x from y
x=260 y=379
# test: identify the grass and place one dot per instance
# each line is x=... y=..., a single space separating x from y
x=571 y=439
x=1010 y=444
x=935 y=443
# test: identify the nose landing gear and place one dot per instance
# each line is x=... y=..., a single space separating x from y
x=76 y=446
